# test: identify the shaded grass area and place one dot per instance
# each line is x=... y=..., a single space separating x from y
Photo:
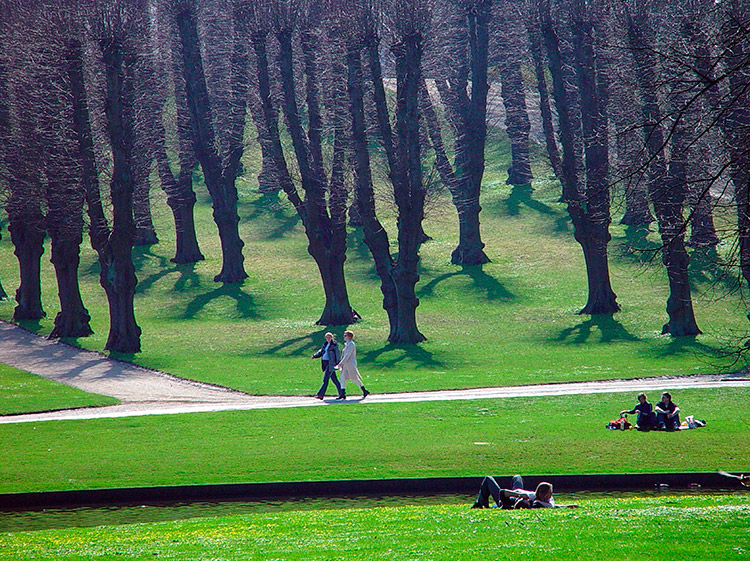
x=22 y=392
x=701 y=527
x=512 y=321
x=548 y=435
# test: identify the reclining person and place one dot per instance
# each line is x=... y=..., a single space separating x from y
x=516 y=496
x=646 y=419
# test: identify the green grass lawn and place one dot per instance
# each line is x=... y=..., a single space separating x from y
x=512 y=321
x=652 y=526
x=552 y=435
x=21 y=392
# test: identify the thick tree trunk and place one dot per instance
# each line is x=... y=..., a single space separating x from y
x=145 y=233
x=73 y=318
x=702 y=228
x=27 y=235
x=666 y=188
x=120 y=282
x=375 y=235
x=221 y=186
x=637 y=211
x=5 y=134
x=409 y=187
x=516 y=121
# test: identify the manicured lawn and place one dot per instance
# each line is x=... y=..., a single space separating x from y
x=512 y=321
x=679 y=528
x=527 y=435
x=21 y=392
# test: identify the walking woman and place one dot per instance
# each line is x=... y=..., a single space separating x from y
x=348 y=366
x=329 y=356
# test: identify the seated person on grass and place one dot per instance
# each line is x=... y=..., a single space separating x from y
x=516 y=496
x=646 y=419
x=667 y=413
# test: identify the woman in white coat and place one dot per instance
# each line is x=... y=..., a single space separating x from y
x=348 y=366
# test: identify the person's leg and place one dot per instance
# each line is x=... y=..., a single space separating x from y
x=326 y=375
x=335 y=380
x=342 y=393
x=488 y=487
x=516 y=482
x=674 y=423
x=661 y=421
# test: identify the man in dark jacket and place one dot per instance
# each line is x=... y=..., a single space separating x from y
x=329 y=357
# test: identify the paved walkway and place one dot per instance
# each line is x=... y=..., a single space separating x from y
x=147 y=392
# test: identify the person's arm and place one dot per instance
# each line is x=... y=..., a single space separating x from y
x=624 y=412
x=675 y=412
x=659 y=410
x=319 y=353
x=345 y=355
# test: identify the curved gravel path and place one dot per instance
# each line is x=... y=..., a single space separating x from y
x=147 y=392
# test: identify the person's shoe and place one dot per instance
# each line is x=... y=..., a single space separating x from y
x=365 y=393
x=477 y=505
x=319 y=397
x=341 y=396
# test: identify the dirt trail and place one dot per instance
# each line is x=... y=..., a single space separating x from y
x=147 y=392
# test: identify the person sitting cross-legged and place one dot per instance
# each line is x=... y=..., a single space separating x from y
x=516 y=496
x=667 y=413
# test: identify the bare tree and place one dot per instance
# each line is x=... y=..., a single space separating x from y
x=580 y=90
x=297 y=30
x=667 y=174
x=220 y=170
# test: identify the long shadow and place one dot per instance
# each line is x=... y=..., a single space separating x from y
x=246 y=305
x=611 y=330
x=687 y=345
x=268 y=205
x=493 y=288
x=165 y=268
x=416 y=353
x=707 y=267
x=637 y=247
x=522 y=195
x=301 y=346
x=189 y=279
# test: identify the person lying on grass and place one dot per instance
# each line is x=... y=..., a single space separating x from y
x=516 y=496
x=667 y=413
x=646 y=419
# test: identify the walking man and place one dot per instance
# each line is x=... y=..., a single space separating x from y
x=329 y=357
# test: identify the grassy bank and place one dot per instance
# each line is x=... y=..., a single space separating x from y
x=698 y=528
x=563 y=434
x=21 y=392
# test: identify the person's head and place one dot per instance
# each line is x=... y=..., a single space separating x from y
x=329 y=336
x=666 y=397
x=348 y=335
x=544 y=491
x=641 y=397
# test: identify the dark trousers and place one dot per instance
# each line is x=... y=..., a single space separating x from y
x=328 y=374
x=665 y=423
x=490 y=487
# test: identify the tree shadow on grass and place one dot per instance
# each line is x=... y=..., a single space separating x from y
x=707 y=267
x=303 y=345
x=687 y=345
x=522 y=195
x=611 y=330
x=415 y=353
x=636 y=245
x=246 y=305
x=269 y=206
x=493 y=288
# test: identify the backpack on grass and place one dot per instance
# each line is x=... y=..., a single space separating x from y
x=619 y=424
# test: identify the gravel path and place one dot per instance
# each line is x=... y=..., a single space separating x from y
x=147 y=392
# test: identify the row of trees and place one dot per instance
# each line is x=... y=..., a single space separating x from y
x=354 y=101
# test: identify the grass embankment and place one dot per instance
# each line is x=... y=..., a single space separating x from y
x=563 y=434
x=21 y=392
x=512 y=321
x=698 y=528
